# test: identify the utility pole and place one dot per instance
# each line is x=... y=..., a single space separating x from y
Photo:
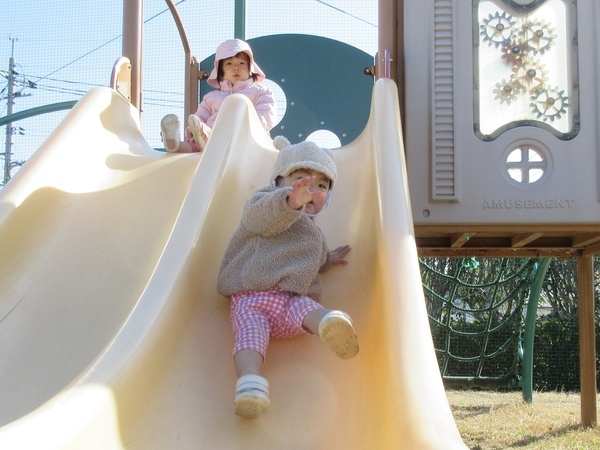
x=9 y=111
x=11 y=95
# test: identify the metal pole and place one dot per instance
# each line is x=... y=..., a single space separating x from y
x=387 y=39
x=390 y=47
x=25 y=114
x=191 y=65
x=526 y=383
x=239 y=31
x=133 y=22
x=9 y=111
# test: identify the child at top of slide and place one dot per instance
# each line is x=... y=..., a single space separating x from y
x=234 y=72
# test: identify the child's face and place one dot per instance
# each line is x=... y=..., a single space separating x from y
x=319 y=184
x=235 y=68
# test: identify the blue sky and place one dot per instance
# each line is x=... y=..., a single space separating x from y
x=68 y=48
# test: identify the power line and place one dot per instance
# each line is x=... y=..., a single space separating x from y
x=104 y=45
x=96 y=85
x=176 y=4
x=347 y=13
x=81 y=57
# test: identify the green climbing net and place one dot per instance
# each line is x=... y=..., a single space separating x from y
x=476 y=309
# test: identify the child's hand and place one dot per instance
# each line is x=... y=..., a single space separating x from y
x=337 y=255
x=300 y=194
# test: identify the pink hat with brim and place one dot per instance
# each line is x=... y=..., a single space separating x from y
x=231 y=48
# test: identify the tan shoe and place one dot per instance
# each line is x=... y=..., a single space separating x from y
x=251 y=396
x=337 y=331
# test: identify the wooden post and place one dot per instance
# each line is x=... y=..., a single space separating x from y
x=391 y=41
x=387 y=39
x=587 y=340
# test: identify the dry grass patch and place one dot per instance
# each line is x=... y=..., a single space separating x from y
x=502 y=420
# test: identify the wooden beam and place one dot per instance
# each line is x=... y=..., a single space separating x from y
x=459 y=239
x=522 y=239
x=591 y=250
x=583 y=240
x=498 y=252
x=587 y=340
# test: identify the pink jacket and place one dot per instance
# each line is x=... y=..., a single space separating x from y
x=261 y=97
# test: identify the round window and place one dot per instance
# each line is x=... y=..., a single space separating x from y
x=526 y=164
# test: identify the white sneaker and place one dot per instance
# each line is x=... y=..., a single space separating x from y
x=251 y=396
x=197 y=129
x=337 y=331
x=169 y=131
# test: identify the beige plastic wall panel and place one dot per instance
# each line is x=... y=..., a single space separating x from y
x=443 y=153
x=528 y=173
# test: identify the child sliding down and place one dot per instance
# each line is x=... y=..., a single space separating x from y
x=271 y=269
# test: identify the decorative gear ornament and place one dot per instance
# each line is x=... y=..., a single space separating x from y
x=531 y=74
x=513 y=52
x=497 y=29
x=538 y=35
x=549 y=104
x=507 y=91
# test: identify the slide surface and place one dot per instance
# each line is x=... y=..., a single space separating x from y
x=114 y=337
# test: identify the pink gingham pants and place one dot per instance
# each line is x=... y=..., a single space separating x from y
x=257 y=316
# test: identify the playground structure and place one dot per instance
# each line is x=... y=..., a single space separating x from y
x=500 y=96
x=506 y=164
x=508 y=92
x=135 y=346
x=110 y=374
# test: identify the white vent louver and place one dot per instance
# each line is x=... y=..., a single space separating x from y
x=443 y=156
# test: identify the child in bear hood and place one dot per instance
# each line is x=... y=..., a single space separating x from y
x=271 y=269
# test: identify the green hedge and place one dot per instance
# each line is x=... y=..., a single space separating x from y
x=556 y=354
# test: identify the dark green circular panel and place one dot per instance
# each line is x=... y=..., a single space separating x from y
x=323 y=81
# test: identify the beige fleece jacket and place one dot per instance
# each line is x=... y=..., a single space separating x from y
x=274 y=245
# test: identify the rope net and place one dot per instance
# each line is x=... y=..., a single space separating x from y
x=475 y=310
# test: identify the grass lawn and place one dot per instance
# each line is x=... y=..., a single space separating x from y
x=502 y=420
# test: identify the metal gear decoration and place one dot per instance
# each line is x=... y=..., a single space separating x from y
x=497 y=29
x=513 y=52
x=549 y=104
x=507 y=91
x=523 y=42
x=531 y=74
x=538 y=35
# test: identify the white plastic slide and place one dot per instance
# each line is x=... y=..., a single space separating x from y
x=112 y=334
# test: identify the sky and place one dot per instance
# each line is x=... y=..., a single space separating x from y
x=67 y=48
